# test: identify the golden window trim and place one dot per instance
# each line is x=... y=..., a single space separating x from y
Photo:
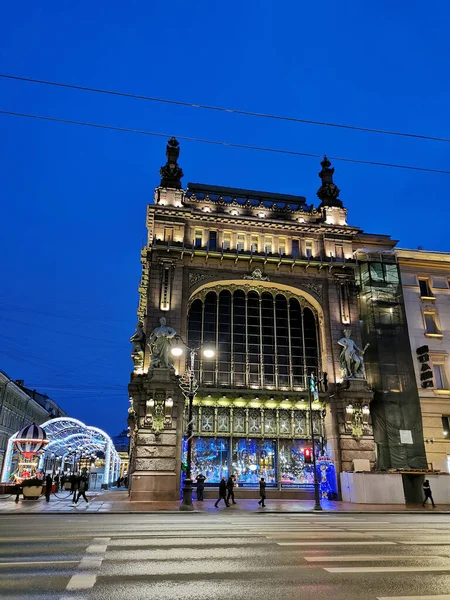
x=427 y=298
x=438 y=392
x=434 y=335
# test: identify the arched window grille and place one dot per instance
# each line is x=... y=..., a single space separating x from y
x=262 y=337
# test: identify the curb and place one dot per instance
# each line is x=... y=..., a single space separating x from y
x=251 y=512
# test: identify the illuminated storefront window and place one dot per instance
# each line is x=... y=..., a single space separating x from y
x=293 y=470
x=209 y=457
x=252 y=459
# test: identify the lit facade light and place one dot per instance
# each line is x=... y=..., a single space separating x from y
x=177 y=350
x=208 y=352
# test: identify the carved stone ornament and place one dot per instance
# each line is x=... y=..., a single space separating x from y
x=171 y=173
x=257 y=275
x=357 y=420
x=328 y=191
x=196 y=277
x=316 y=288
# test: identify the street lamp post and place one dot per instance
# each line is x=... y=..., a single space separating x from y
x=312 y=393
x=189 y=386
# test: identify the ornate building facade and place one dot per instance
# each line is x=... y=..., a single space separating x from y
x=277 y=288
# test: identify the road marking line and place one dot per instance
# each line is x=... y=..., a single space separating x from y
x=440 y=597
x=81 y=581
x=384 y=569
x=368 y=543
x=422 y=543
x=95 y=553
x=40 y=562
x=367 y=557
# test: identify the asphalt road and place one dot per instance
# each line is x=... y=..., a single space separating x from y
x=225 y=555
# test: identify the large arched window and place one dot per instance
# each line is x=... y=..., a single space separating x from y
x=263 y=338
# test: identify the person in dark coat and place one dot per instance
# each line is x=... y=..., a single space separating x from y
x=222 y=492
x=427 y=492
x=262 y=492
x=74 y=483
x=230 y=489
x=200 y=486
x=83 y=485
x=48 y=487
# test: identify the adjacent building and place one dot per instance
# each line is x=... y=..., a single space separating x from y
x=20 y=406
x=425 y=280
x=277 y=288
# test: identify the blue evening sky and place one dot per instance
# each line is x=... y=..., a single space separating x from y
x=74 y=199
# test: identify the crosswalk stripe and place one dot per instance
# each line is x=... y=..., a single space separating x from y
x=325 y=543
x=439 y=597
x=385 y=569
x=433 y=542
x=366 y=558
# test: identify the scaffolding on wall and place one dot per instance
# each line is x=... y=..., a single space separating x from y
x=396 y=413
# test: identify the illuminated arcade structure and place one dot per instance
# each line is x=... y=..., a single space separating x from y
x=71 y=446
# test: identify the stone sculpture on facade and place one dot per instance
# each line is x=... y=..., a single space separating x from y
x=351 y=359
x=159 y=344
x=171 y=173
x=138 y=348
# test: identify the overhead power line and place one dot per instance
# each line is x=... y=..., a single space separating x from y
x=222 y=109
x=221 y=143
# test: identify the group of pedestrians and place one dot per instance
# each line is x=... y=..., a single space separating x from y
x=226 y=490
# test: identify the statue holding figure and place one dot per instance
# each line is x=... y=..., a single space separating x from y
x=351 y=359
x=138 y=348
x=159 y=344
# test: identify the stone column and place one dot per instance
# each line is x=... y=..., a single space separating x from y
x=155 y=460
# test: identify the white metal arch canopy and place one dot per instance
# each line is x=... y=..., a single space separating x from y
x=64 y=432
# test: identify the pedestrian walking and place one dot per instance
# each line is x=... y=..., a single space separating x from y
x=74 y=483
x=57 y=482
x=18 y=490
x=230 y=489
x=222 y=492
x=200 y=486
x=82 y=489
x=119 y=481
x=48 y=487
x=262 y=492
x=427 y=492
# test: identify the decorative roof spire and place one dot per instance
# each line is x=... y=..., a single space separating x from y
x=328 y=191
x=171 y=173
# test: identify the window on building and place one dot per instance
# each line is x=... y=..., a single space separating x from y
x=212 y=244
x=168 y=234
x=268 y=243
x=445 y=426
x=308 y=248
x=226 y=240
x=339 y=252
x=440 y=380
x=240 y=242
x=431 y=326
x=254 y=244
x=198 y=238
x=263 y=340
x=425 y=289
x=295 y=248
x=281 y=245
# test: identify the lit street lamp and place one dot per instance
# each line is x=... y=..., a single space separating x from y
x=189 y=386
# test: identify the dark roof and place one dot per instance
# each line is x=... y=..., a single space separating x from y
x=228 y=192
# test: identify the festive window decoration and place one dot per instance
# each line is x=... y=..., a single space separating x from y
x=300 y=422
x=252 y=459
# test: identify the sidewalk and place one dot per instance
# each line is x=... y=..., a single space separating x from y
x=116 y=501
